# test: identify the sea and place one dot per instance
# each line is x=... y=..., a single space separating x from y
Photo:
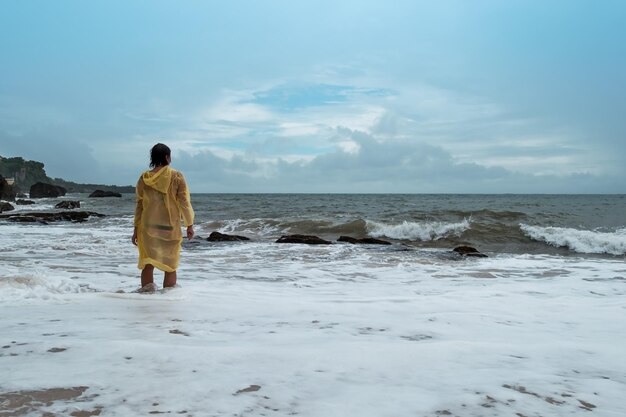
x=259 y=328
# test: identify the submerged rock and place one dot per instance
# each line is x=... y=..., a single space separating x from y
x=71 y=216
x=24 y=218
x=363 y=241
x=306 y=239
x=469 y=251
x=23 y=202
x=4 y=206
x=221 y=237
x=68 y=205
x=100 y=193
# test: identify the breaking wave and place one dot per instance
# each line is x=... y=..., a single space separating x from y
x=424 y=231
x=265 y=228
x=581 y=241
x=270 y=228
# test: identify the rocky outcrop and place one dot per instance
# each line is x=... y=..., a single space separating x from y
x=45 y=218
x=26 y=173
x=4 y=206
x=363 y=241
x=7 y=191
x=469 y=251
x=22 y=202
x=221 y=237
x=306 y=239
x=44 y=190
x=69 y=205
x=100 y=193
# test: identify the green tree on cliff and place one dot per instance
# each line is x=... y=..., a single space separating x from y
x=26 y=173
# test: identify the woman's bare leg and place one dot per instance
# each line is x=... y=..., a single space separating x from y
x=147 y=275
x=169 y=280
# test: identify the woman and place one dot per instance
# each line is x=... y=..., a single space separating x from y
x=162 y=201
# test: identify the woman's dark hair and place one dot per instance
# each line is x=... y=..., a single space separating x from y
x=159 y=154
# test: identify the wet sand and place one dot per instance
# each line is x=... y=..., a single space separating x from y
x=21 y=403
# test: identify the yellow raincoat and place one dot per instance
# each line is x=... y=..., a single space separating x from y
x=162 y=201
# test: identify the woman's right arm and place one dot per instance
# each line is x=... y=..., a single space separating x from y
x=183 y=199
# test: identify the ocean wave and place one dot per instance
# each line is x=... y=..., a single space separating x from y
x=424 y=231
x=38 y=206
x=251 y=227
x=266 y=228
x=493 y=215
x=22 y=288
x=582 y=241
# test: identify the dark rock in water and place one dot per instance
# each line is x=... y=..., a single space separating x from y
x=70 y=216
x=23 y=202
x=100 y=193
x=476 y=255
x=309 y=240
x=21 y=195
x=348 y=239
x=7 y=191
x=43 y=190
x=25 y=218
x=68 y=205
x=4 y=206
x=221 y=237
x=363 y=241
x=469 y=251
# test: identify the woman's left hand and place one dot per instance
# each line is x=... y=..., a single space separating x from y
x=190 y=232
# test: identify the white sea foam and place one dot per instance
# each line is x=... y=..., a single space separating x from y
x=28 y=287
x=251 y=227
x=582 y=241
x=424 y=231
x=330 y=330
x=40 y=205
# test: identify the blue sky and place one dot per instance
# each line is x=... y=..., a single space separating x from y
x=321 y=96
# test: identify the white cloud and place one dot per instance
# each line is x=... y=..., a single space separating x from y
x=291 y=129
x=235 y=112
x=379 y=167
x=423 y=132
x=372 y=135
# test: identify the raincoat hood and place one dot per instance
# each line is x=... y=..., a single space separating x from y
x=159 y=180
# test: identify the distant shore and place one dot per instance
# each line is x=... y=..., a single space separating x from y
x=21 y=174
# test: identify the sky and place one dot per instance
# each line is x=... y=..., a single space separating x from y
x=341 y=96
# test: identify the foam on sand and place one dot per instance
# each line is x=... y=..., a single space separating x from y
x=537 y=335
x=165 y=294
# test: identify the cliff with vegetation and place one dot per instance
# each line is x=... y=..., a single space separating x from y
x=26 y=173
